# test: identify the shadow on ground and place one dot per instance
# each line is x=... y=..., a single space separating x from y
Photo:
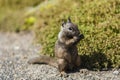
x=95 y=61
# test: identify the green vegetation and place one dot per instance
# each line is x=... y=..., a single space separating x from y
x=13 y=14
x=18 y=4
x=98 y=20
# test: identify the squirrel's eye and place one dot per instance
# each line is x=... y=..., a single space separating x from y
x=70 y=28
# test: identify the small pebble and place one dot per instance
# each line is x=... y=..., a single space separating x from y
x=16 y=47
x=69 y=78
x=0 y=52
x=116 y=72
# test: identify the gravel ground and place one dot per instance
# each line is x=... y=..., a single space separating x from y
x=16 y=49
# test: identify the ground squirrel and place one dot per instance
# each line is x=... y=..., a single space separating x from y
x=66 y=53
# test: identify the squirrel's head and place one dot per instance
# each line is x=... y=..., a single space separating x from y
x=69 y=28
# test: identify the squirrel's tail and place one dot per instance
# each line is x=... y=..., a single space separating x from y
x=44 y=60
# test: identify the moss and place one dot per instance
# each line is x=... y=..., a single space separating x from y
x=97 y=20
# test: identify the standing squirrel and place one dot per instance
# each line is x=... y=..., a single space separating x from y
x=66 y=53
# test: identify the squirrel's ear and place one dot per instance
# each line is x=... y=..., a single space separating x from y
x=63 y=22
x=69 y=20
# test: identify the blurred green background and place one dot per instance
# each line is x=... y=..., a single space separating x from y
x=98 y=20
